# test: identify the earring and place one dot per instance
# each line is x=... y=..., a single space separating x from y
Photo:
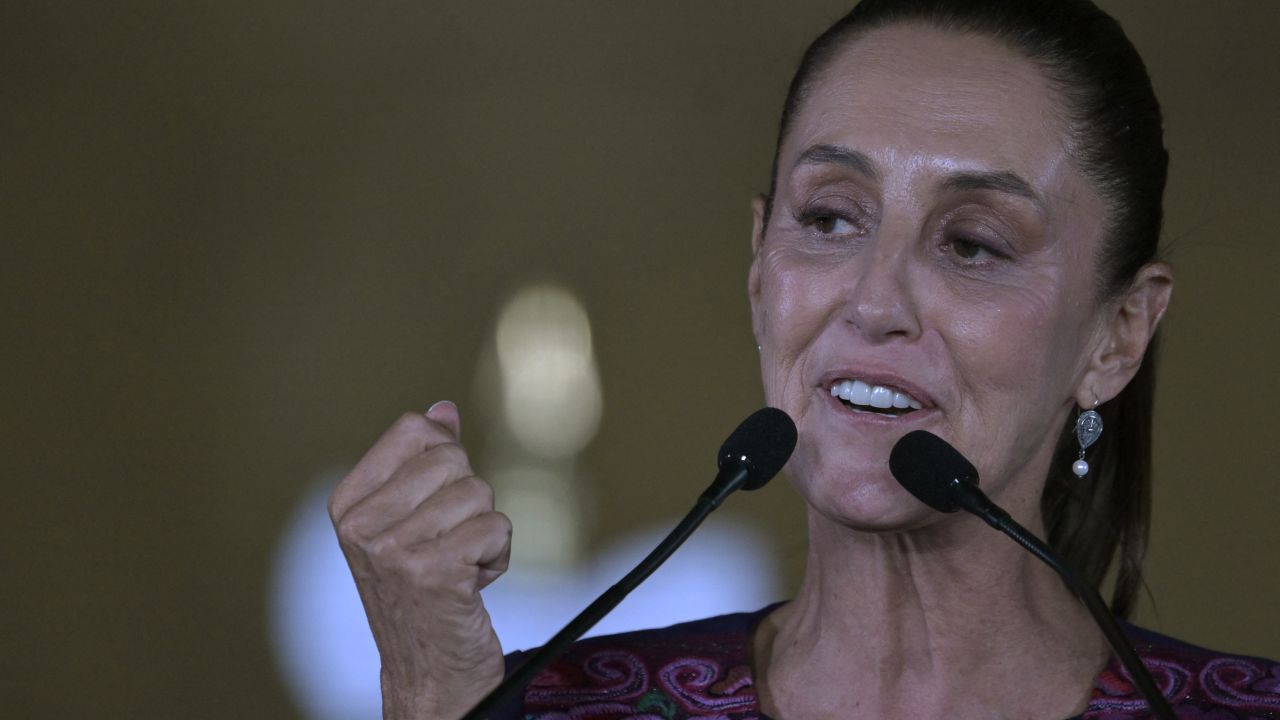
x=1088 y=429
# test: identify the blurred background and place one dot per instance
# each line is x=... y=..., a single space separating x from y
x=237 y=239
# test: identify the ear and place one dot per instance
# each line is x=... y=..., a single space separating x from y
x=758 y=205
x=1131 y=325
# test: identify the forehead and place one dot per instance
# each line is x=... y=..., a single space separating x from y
x=912 y=93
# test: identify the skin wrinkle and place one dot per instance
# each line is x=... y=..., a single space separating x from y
x=1005 y=182
x=848 y=157
x=1028 y=284
x=895 y=614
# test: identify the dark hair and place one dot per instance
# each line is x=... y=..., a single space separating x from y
x=1115 y=126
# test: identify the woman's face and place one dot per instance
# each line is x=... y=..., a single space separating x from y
x=930 y=238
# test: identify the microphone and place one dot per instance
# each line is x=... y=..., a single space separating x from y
x=940 y=477
x=748 y=459
x=758 y=447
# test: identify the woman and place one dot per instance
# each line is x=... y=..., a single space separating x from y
x=960 y=237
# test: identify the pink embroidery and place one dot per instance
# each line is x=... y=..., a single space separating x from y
x=701 y=671
x=1114 y=689
x=688 y=679
x=597 y=711
x=613 y=675
x=1236 y=682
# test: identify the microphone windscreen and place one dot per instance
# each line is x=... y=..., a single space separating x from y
x=926 y=465
x=762 y=443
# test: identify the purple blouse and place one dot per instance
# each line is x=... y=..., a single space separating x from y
x=702 y=669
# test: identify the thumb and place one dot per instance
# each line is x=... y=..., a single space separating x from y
x=445 y=413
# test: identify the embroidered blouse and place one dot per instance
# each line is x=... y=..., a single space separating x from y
x=702 y=669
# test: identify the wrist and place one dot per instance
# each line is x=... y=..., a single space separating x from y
x=402 y=701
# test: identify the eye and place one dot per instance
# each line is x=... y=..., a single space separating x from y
x=973 y=237
x=828 y=224
x=828 y=221
x=968 y=249
x=972 y=246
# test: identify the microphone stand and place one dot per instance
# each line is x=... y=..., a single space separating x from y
x=970 y=498
x=730 y=478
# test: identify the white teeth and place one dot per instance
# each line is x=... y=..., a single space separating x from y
x=858 y=392
x=881 y=397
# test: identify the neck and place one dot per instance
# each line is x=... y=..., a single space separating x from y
x=953 y=620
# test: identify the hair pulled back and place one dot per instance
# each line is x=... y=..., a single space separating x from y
x=1116 y=138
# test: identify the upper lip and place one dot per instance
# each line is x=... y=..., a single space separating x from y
x=877 y=377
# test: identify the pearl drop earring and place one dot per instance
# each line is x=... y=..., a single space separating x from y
x=1088 y=429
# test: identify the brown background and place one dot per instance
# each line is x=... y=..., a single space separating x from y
x=239 y=237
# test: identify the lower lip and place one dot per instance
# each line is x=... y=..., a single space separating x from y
x=874 y=418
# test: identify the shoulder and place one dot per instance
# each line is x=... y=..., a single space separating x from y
x=1200 y=683
x=689 y=670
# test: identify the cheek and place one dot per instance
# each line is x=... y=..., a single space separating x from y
x=791 y=299
x=797 y=300
x=1010 y=335
x=1016 y=352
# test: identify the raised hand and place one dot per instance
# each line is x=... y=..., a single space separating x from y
x=421 y=536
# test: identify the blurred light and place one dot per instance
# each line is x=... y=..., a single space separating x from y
x=551 y=396
x=318 y=628
x=550 y=404
x=548 y=507
x=727 y=566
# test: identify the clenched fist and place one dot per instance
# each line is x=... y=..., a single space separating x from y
x=420 y=533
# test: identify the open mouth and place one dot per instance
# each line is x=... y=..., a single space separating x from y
x=862 y=397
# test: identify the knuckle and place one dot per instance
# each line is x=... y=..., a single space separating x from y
x=383 y=549
x=497 y=525
x=428 y=565
x=503 y=523
x=340 y=498
x=478 y=489
x=412 y=423
x=350 y=529
x=450 y=453
x=332 y=507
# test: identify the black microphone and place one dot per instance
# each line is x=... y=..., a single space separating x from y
x=940 y=477
x=748 y=459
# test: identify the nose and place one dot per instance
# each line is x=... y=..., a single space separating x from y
x=881 y=301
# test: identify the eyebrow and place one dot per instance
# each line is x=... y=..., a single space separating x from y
x=998 y=181
x=838 y=155
x=1003 y=182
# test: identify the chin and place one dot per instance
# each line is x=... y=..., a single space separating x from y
x=865 y=498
